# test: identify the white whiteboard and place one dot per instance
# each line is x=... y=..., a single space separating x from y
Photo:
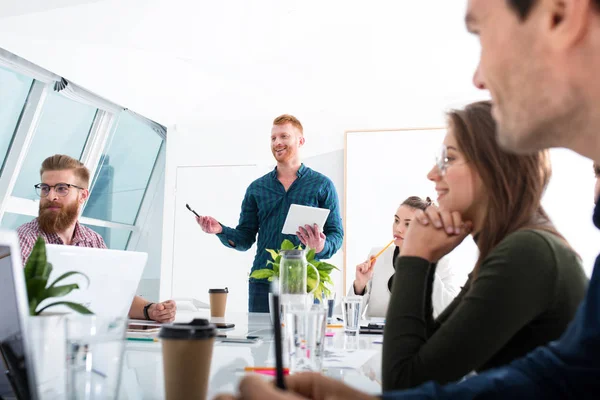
x=385 y=167
x=200 y=261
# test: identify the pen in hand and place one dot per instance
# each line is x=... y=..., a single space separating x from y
x=190 y=208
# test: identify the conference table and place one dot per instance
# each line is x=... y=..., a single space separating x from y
x=356 y=360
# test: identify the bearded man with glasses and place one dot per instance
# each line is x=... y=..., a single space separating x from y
x=63 y=191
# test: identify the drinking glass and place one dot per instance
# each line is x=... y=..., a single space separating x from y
x=95 y=347
x=305 y=336
x=351 y=308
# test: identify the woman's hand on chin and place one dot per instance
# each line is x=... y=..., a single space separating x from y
x=435 y=234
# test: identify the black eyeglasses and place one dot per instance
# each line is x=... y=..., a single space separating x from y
x=61 y=189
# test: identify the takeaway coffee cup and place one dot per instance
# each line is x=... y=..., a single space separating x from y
x=218 y=302
x=187 y=353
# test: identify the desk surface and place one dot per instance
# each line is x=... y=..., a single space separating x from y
x=143 y=374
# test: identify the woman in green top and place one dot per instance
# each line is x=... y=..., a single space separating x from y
x=525 y=286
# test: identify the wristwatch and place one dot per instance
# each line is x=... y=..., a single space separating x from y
x=146 y=307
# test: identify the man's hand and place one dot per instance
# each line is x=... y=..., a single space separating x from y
x=307 y=385
x=435 y=234
x=364 y=273
x=311 y=238
x=209 y=224
x=163 y=312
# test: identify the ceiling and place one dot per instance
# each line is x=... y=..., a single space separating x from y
x=177 y=61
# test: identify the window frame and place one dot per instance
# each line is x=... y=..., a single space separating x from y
x=98 y=140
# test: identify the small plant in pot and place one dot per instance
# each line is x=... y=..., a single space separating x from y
x=37 y=272
x=324 y=269
x=46 y=329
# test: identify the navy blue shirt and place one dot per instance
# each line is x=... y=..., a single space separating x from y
x=265 y=207
x=566 y=368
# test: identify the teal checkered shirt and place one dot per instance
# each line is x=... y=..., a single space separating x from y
x=265 y=207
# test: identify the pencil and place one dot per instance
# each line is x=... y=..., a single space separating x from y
x=251 y=369
x=142 y=339
x=382 y=250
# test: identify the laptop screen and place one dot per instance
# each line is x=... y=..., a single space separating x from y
x=12 y=348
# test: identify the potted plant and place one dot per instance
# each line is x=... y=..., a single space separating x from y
x=322 y=267
x=46 y=329
x=37 y=272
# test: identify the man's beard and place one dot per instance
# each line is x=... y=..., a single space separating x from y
x=57 y=221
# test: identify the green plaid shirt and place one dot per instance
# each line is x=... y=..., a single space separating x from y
x=265 y=208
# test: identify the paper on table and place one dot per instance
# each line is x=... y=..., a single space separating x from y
x=347 y=359
x=304 y=215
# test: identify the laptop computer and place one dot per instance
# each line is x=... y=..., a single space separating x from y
x=15 y=350
x=114 y=276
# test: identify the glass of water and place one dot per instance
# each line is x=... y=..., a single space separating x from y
x=95 y=347
x=351 y=309
x=330 y=307
x=305 y=335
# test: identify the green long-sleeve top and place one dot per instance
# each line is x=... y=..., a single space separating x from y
x=524 y=295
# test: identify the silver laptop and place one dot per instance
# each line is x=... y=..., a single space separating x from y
x=114 y=276
x=15 y=351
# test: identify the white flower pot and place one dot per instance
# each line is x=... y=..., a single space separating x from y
x=48 y=347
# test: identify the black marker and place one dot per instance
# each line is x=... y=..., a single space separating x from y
x=190 y=208
x=277 y=331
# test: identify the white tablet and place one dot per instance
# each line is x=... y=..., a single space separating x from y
x=304 y=215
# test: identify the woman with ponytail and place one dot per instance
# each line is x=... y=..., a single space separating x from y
x=374 y=277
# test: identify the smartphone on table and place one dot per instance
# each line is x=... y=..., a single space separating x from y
x=237 y=339
x=224 y=325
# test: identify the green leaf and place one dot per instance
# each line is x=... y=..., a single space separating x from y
x=35 y=287
x=274 y=254
x=74 y=306
x=58 y=291
x=310 y=284
x=67 y=274
x=271 y=279
x=275 y=267
x=33 y=303
x=37 y=259
x=262 y=274
x=287 y=245
x=310 y=256
x=327 y=268
x=46 y=270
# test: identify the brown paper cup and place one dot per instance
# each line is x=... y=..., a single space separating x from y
x=187 y=354
x=218 y=302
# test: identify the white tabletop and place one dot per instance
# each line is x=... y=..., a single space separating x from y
x=143 y=374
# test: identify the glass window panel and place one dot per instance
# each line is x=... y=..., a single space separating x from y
x=63 y=128
x=115 y=238
x=14 y=89
x=125 y=169
x=13 y=221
